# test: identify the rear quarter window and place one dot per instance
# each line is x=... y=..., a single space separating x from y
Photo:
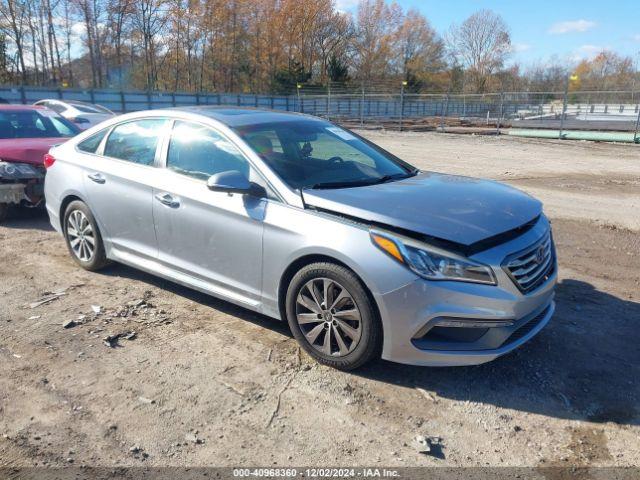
x=91 y=144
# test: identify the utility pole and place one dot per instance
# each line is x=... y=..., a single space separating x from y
x=404 y=84
x=564 y=106
x=501 y=113
x=362 y=107
x=570 y=78
x=635 y=76
x=445 y=110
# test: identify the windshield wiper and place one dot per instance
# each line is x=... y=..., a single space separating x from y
x=357 y=183
x=364 y=182
x=395 y=176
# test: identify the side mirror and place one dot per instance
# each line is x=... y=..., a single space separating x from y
x=233 y=181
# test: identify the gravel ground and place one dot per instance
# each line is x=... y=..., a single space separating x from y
x=194 y=381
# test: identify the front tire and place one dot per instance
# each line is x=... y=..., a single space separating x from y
x=332 y=316
x=83 y=237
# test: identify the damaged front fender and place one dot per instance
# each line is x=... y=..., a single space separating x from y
x=21 y=183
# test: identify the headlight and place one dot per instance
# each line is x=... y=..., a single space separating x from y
x=17 y=170
x=7 y=169
x=432 y=263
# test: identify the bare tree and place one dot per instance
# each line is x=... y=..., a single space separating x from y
x=331 y=39
x=67 y=35
x=420 y=51
x=54 y=51
x=547 y=77
x=376 y=23
x=90 y=11
x=262 y=46
x=33 y=33
x=482 y=44
x=14 y=13
x=118 y=14
x=150 y=18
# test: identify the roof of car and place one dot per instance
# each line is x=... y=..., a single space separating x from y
x=241 y=116
x=16 y=106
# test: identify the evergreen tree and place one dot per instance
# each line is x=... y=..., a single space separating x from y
x=285 y=80
x=337 y=70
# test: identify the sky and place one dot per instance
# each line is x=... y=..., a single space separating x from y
x=572 y=30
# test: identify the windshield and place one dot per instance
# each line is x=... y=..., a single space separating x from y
x=33 y=124
x=88 y=108
x=316 y=154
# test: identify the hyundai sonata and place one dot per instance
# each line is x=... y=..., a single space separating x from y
x=299 y=219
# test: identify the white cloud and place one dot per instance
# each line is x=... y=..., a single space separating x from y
x=587 y=52
x=571 y=26
x=78 y=29
x=636 y=37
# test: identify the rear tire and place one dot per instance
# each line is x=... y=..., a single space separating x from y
x=83 y=237
x=332 y=317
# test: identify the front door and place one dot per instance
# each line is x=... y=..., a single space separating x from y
x=212 y=237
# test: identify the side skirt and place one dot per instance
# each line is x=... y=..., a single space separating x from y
x=155 y=268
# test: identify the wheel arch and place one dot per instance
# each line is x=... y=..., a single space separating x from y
x=65 y=203
x=71 y=197
x=303 y=261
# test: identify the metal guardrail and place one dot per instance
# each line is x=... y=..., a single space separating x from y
x=599 y=111
x=132 y=101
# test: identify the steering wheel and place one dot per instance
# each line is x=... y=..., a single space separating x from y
x=336 y=159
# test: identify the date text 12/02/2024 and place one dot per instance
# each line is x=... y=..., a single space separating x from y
x=316 y=472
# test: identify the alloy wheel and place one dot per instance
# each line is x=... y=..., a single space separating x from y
x=81 y=235
x=328 y=317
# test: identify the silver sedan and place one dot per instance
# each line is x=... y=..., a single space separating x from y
x=299 y=219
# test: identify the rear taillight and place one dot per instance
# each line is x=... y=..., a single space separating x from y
x=49 y=160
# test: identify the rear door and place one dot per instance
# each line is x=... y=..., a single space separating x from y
x=118 y=185
x=209 y=236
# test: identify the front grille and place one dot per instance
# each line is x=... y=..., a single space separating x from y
x=533 y=266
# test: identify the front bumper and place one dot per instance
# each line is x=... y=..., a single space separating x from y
x=12 y=193
x=21 y=183
x=446 y=323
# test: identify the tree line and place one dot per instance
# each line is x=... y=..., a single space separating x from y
x=272 y=46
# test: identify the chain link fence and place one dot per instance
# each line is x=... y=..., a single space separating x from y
x=613 y=115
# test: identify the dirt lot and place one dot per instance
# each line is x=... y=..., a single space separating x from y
x=207 y=383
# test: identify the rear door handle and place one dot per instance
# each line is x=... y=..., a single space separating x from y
x=168 y=200
x=97 y=177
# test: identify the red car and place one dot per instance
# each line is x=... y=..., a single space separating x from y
x=26 y=135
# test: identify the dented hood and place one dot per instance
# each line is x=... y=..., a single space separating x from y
x=457 y=209
x=27 y=150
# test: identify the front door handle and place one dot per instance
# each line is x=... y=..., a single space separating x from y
x=97 y=177
x=168 y=200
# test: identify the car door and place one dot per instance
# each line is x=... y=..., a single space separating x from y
x=118 y=186
x=214 y=237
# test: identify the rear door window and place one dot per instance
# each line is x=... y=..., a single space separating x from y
x=136 y=141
